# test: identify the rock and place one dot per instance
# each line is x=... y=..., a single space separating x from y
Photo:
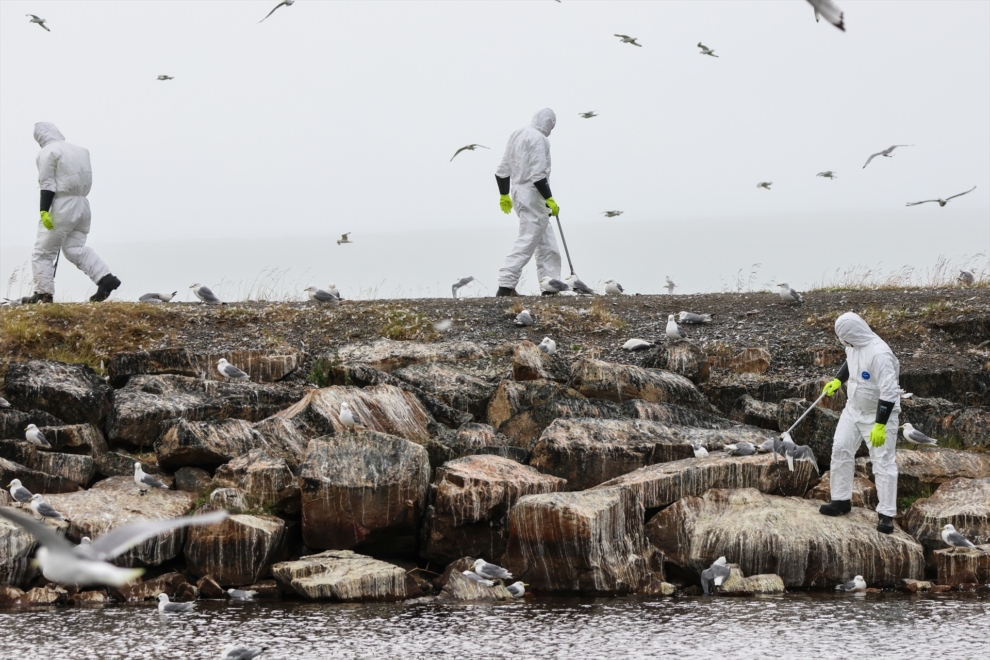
x=620 y=382
x=261 y=366
x=688 y=360
x=205 y=444
x=590 y=542
x=174 y=361
x=35 y=480
x=659 y=588
x=75 y=439
x=16 y=549
x=661 y=485
x=284 y=440
x=864 y=491
x=672 y=414
x=472 y=439
x=268 y=482
x=525 y=428
x=950 y=383
x=169 y=583
x=72 y=392
x=922 y=469
x=14 y=422
x=383 y=408
x=750 y=361
x=208 y=588
x=233 y=500
x=457 y=389
x=49 y=594
x=514 y=397
x=146 y=401
x=470 y=499
x=756 y=413
x=588 y=452
x=456 y=587
x=962 y=503
x=971 y=426
x=238 y=550
x=186 y=593
x=267 y=589
x=782 y=535
x=530 y=363
x=738 y=585
x=342 y=575
x=115 y=502
x=816 y=430
x=71 y=467
x=86 y=598
x=363 y=488
x=956 y=565
x=387 y=355
x=914 y=586
x=192 y=480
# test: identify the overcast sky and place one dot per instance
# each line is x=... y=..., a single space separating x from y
x=342 y=116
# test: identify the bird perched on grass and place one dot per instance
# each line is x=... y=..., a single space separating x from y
x=461 y=283
x=828 y=174
x=146 y=481
x=229 y=371
x=941 y=202
x=965 y=278
x=578 y=286
x=34 y=435
x=319 y=295
x=284 y=3
x=764 y=184
x=916 y=437
x=715 y=575
x=705 y=50
x=347 y=416
x=548 y=346
x=855 y=584
x=886 y=153
x=524 y=319
x=203 y=293
x=19 y=492
x=164 y=77
x=613 y=288
x=951 y=537
x=587 y=115
x=43 y=509
x=165 y=606
x=39 y=21
x=242 y=594
x=626 y=39
x=157 y=297
x=789 y=295
x=344 y=239
x=490 y=571
x=517 y=589
x=470 y=147
x=674 y=331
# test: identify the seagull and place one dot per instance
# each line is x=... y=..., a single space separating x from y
x=88 y=564
x=637 y=345
x=287 y=3
x=612 y=214
x=470 y=147
x=344 y=239
x=699 y=451
x=916 y=437
x=587 y=115
x=828 y=174
x=629 y=40
x=444 y=325
x=787 y=448
x=549 y=347
x=965 y=277
x=689 y=318
x=949 y=535
x=164 y=77
x=4 y=403
x=332 y=290
x=234 y=652
x=477 y=578
x=550 y=285
x=517 y=589
x=157 y=297
x=674 y=332
x=764 y=184
x=716 y=573
x=165 y=606
x=855 y=584
x=85 y=541
x=770 y=445
x=941 y=202
x=490 y=571
x=577 y=285
x=670 y=285
x=146 y=481
x=319 y=295
x=789 y=295
x=803 y=453
x=886 y=153
x=347 y=416
x=740 y=449
x=830 y=11
x=43 y=509
x=705 y=50
x=204 y=293
x=613 y=288
x=464 y=281
x=39 y=21
x=242 y=594
x=35 y=436
x=227 y=370
x=19 y=492
x=524 y=319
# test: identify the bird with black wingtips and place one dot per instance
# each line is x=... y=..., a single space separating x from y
x=459 y=284
x=941 y=202
x=34 y=435
x=204 y=293
x=490 y=571
x=43 y=509
x=157 y=297
x=789 y=295
x=146 y=481
x=319 y=295
x=19 y=492
x=284 y=3
x=714 y=575
x=953 y=538
x=886 y=153
x=229 y=371
x=164 y=605
x=854 y=585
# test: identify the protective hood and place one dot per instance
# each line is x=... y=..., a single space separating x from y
x=853 y=331
x=544 y=120
x=46 y=133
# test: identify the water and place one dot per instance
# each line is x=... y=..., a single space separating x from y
x=821 y=626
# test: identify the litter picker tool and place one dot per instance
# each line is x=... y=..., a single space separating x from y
x=564 y=241
x=804 y=414
x=55 y=266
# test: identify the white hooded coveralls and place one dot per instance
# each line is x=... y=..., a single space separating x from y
x=526 y=161
x=64 y=169
x=874 y=373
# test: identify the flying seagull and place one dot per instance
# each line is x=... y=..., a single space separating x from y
x=577 y=285
x=949 y=535
x=830 y=11
x=43 y=509
x=517 y=589
x=764 y=184
x=19 y=492
x=490 y=571
x=319 y=295
x=464 y=281
x=242 y=594
x=674 y=332
x=613 y=288
x=965 y=277
x=886 y=153
x=165 y=606
x=670 y=285
x=524 y=319
x=204 y=293
x=347 y=416
x=689 y=318
x=916 y=437
x=717 y=573
x=550 y=285
x=611 y=214
x=287 y=3
x=235 y=652
x=344 y=239
x=828 y=174
x=855 y=584
x=587 y=115
x=33 y=435
x=705 y=50
x=626 y=39
x=470 y=147
x=636 y=345
x=942 y=202
x=549 y=347
x=227 y=370
x=164 y=77
x=157 y=297
x=146 y=481
x=477 y=578
x=39 y=21
x=789 y=295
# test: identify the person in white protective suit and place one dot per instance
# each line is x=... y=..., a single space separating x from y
x=65 y=177
x=871 y=372
x=525 y=171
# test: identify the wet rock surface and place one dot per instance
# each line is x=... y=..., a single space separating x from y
x=962 y=503
x=71 y=392
x=864 y=491
x=34 y=480
x=237 y=551
x=615 y=382
x=456 y=587
x=16 y=547
x=922 y=469
x=342 y=575
x=205 y=444
x=14 y=422
x=387 y=355
x=261 y=366
x=459 y=390
x=267 y=482
x=955 y=566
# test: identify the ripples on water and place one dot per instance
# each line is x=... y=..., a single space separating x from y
x=792 y=626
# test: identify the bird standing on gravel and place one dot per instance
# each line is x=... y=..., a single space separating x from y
x=524 y=319
x=965 y=277
x=165 y=606
x=43 y=509
x=229 y=371
x=705 y=50
x=319 y=295
x=34 y=435
x=347 y=416
x=855 y=584
x=949 y=535
x=491 y=571
x=548 y=346
x=916 y=437
x=470 y=147
x=886 y=153
x=789 y=295
x=941 y=202
x=674 y=332
x=39 y=21
x=203 y=293
x=146 y=481
x=19 y=492
x=284 y=3
x=613 y=288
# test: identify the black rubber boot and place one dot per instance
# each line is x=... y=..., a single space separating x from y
x=885 y=525
x=104 y=288
x=38 y=298
x=504 y=292
x=835 y=508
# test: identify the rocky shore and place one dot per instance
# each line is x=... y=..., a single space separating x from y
x=575 y=470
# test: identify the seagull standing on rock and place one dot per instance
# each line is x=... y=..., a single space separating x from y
x=854 y=585
x=19 y=492
x=548 y=346
x=674 y=332
x=229 y=371
x=789 y=295
x=146 y=481
x=950 y=536
x=43 y=509
x=916 y=437
x=34 y=435
x=347 y=416
x=204 y=293
x=491 y=571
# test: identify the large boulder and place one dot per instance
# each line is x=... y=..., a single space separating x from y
x=530 y=363
x=239 y=550
x=14 y=422
x=513 y=397
x=470 y=500
x=268 y=482
x=115 y=502
x=864 y=491
x=661 y=485
x=35 y=480
x=16 y=547
x=969 y=565
x=262 y=366
x=145 y=402
x=284 y=440
x=683 y=358
x=456 y=388
x=739 y=585
x=342 y=575
x=962 y=503
x=387 y=354
x=71 y=392
x=72 y=467
x=205 y=444
x=621 y=382
x=76 y=439
x=525 y=428
x=590 y=542
x=926 y=469
x=673 y=415
x=782 y=535
x=363 y=489
x=816 y=430
x=970 y=425
x=764 y=414
x=472 y=439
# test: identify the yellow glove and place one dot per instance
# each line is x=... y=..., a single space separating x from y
x=46 y=220
x=505 y=203
x=878 y=435
x=832 y=386
x=554 y=209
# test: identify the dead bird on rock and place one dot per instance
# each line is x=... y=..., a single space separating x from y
x=740 y=449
